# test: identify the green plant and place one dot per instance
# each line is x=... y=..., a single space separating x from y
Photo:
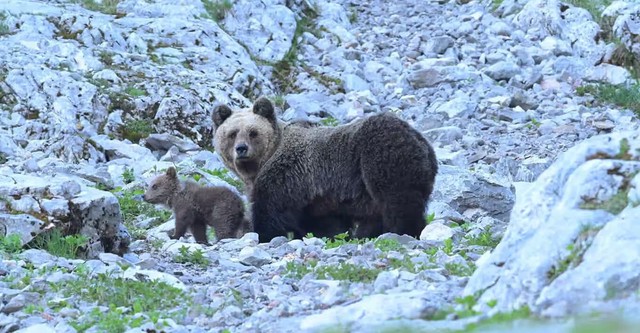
x=135 y=92
x=136 y=129
x=143 y=300
x=620 y=95
x=429 y=218
x=33 y=308
x=484 y=238
x=128 y=176
x=216 y=9
x=58 y=245
x=459 y=269
x=448 y=246
x=329 y=121
x=341 y=239
x=11 y=244
x=389 y=244
x=495 y=4
x=195 y=257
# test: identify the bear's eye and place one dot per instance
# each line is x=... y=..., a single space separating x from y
x=253 y=134
x=154 y=187
x=232 y=134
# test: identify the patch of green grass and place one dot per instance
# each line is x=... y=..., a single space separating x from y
x=614 y=205
x=135 y=92
x=465 y=308
x=131 y=208
x=496 y=3
x=620 y=95
x=329 y=121
x=342 y=271
x=408 y=265
x=484 y=238
x=11 y=244
x=58 y=245
x=4 y=28
x=136 y=129
x=500 y=318
x=195 y=257
x=128 y=176
x=459 y=269
x=120 y=101
x=389 y=244
x=341 y=239
x=104 y=6
x=33 y=308
x=130 y=302
x=106 y=57
x=223 y=174
x=217 y=9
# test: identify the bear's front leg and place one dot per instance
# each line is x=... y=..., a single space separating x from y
x=269 y=223
x=184 y=219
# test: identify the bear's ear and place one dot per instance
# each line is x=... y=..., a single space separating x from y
x=171 y=172
x=220 y=113
x=264 y=108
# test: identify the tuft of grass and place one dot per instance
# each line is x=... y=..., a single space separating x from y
x=342 y=271
x=217 y=9
x=459 y=269
x=103 y=6
x=10 y=244
x=389 y=244
x=195 y=257
x=620 y=95
x=130 y=302
x=341 y=239
x=136 y=129
x=496 y=3
x=58 y=245
x=448 y=246
x=484 y=238
x=128 y=176
x=135 y=92
x=329 y=121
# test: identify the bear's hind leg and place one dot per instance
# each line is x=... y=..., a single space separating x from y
x=199 y=231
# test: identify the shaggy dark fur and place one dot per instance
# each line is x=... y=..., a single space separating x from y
x=376 y=173
x=196 y=206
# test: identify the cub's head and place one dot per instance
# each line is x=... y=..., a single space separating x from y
x=246 y=139
x=162 y=188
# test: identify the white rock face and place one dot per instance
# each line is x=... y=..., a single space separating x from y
x=265 y=27
x=562 y=247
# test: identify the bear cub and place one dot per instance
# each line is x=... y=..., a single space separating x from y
x=196 y=206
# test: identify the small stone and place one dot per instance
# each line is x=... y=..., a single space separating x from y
x=254 y=256
x=503 y=70
x=386 y=280
x=436 y=231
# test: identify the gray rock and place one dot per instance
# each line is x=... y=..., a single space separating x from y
x=503 y=70
x=462 y=190
x=557 y=233
x=254 y=256
x=436 y=231
x=437 y=45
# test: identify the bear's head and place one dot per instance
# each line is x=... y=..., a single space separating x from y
x=246 y=139
x=162 y=188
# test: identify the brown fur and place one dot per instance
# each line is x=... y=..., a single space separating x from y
x=376 y=173
x=196 y=206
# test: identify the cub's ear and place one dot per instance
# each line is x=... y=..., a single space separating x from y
x=171 y=172
x=263 y=107
x=220 y=113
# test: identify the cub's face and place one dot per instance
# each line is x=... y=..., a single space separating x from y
x=245 y=139
x=162 y=188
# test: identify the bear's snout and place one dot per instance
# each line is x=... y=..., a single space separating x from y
x=241 y=150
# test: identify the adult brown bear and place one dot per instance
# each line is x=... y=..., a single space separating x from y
x=375 y=174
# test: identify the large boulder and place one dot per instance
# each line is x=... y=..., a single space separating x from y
x=573 y=242
x=32 y=204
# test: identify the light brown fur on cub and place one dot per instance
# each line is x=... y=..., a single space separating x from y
x=196 y=206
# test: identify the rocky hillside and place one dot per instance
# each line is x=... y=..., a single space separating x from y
x=532 y=107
